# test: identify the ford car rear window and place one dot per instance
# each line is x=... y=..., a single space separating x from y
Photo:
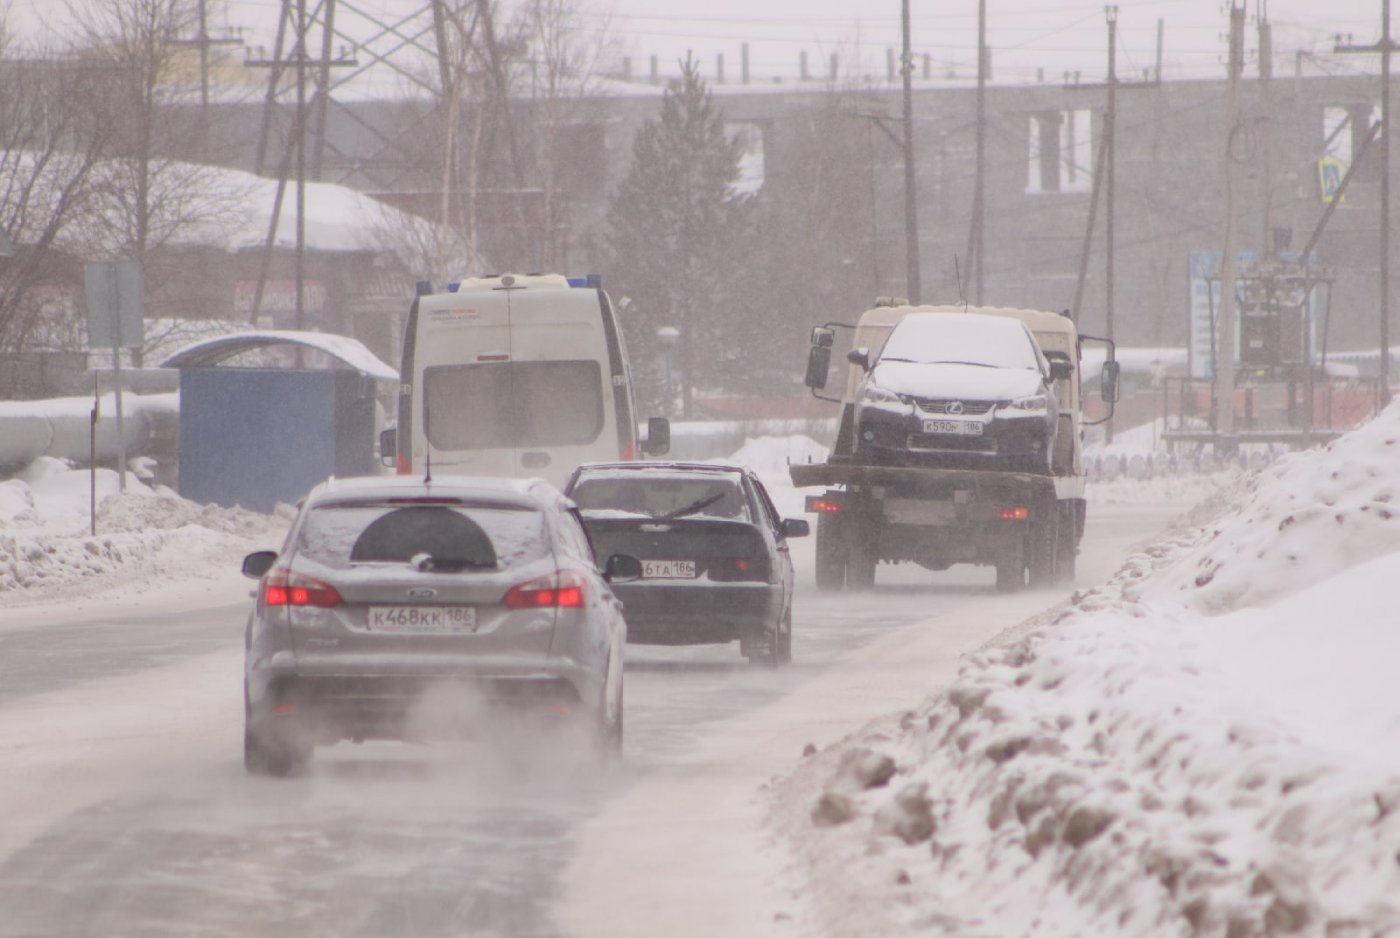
x=454 y=539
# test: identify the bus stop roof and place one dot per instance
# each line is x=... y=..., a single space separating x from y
x=208 y=353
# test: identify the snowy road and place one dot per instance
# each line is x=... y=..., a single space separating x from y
x=124 y=809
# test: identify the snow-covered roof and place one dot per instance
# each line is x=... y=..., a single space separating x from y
x=209 y=352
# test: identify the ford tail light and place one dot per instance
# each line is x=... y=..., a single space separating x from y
x=285 y=588
x=558 y=590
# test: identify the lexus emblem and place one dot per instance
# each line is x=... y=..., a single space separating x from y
x=422 y=592
x=955 y=407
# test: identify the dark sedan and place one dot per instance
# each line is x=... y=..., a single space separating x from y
x=713 y=550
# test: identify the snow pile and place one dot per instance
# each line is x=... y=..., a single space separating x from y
x=144 y=535
x=1139 y=767
x=1311 y=515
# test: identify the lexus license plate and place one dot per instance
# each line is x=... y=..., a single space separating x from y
x=423 y=619
x=668 y=569
x=955 y=427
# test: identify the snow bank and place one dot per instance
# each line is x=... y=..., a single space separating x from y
x=145 y=536
x=1207 y=745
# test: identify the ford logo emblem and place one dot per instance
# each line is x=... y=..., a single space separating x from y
x=955 y=407
x=422 y=592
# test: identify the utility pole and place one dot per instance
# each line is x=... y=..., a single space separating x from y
x=1110 y=158
x=1385 y=46
x=979 y=189
x=203 y=41
x=1225 y=342
x=300 y=61
x=911 y=199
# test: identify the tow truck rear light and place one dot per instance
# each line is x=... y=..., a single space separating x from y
x=1017 y=513
x=562 y=589
x=824 y=504
x=284 y=588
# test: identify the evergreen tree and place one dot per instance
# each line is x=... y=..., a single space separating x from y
x=678 y=231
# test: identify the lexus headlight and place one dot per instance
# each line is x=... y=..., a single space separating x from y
x=875 y=394
x=1034 y=402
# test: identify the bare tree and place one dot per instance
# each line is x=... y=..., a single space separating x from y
x=566 y=47
x=52 y=132
x=147 y=197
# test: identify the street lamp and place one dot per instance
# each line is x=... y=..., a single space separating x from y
x=667 y=336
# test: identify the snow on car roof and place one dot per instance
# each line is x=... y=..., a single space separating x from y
x=522 y=492
x=657 y=467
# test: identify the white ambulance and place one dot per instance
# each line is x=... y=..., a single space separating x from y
x=516 y=375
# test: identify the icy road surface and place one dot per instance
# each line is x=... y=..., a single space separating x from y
x=124 y=809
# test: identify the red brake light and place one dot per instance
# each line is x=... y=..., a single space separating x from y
x=1019 y=513
x=402 y=464
x=283 y=588
x=824 y=505
x=629 y=451
x=558 y=590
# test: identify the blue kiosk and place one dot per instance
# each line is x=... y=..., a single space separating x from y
x=258 y=435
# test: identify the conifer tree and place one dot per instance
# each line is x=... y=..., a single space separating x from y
x=678 y=231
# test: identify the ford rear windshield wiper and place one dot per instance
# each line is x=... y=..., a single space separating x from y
x=693 y=507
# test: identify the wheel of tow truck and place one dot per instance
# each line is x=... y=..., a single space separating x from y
x=831 y=554
x=1011 y=568
x=1065 y=548
x=1042 y=552
x=860 y=569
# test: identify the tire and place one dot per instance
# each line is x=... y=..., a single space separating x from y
x=831 y=553
x=275 y=757
x=1041 y=551
x=610 y=736
x=1066 y=547
x=784 y=642
x=1011 y=567
x=270 y=754
x=860 y=569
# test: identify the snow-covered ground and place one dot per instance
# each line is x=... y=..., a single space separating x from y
x=1208 y=744
x=146 y=538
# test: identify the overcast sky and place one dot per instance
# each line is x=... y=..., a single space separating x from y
x=1026 y=36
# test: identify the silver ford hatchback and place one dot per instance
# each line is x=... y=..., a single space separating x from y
x=400 y=608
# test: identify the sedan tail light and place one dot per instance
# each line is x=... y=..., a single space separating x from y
x=285 y=588
x=560 y=589
x=730 y=569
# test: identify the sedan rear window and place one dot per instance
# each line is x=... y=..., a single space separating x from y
x=662 y=496
x=455 y=538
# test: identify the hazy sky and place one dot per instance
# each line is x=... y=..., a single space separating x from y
x=1025 y=35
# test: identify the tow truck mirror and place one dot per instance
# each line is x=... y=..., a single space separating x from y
x=859 y=356
x=1060 y=367
x=388 y=447
x=1108 y=382
x=658 y=441
x=819 y=357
